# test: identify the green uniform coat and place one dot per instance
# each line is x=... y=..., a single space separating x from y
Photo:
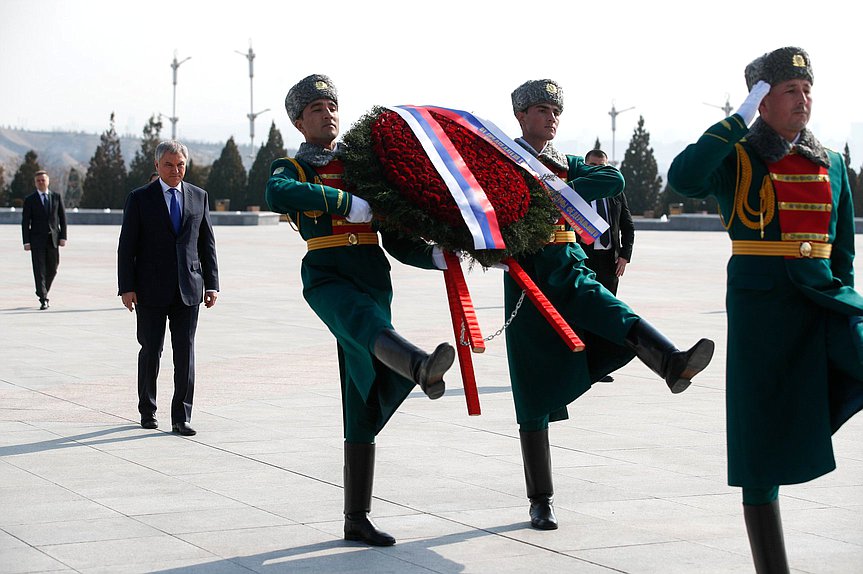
x=349 y=288
x=794 y=371
x=545 y=374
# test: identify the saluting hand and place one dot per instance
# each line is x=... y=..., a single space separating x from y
x=749 y=107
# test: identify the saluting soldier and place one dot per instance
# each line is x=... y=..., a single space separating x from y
x=545 y=375
x=795 y=330
x=346 y=282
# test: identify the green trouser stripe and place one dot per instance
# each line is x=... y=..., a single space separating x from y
x=534 y=424
x=755 y=496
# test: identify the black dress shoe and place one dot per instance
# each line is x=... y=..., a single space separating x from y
x=358 y=526
x=607 y=379
x=43 y=306
x=149 y=423
x=183 y=429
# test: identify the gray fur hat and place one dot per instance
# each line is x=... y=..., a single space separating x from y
x=535 y=92
x=308 y=90
x=789 y=63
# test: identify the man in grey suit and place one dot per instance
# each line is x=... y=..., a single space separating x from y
x=43 y=227
x=166 y=265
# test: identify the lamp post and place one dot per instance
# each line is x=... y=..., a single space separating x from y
x=174 y=65
x=250 y=55
x=726 y=108
x=614 y=113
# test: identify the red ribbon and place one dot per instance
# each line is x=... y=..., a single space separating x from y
x=464 y=319
x=543 y=305
x=463 y=316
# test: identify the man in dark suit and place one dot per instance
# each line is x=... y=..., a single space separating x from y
x=609 y=255
x=43 y=228
x=165 y=260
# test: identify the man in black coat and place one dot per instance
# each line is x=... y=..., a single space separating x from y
x=609 y=255
x=43 y=228
x=166 y=259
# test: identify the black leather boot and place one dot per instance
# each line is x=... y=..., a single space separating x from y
x=665 y=359
x=359 y=477
x=413 y=363
x=536 y=454
x=764 y=527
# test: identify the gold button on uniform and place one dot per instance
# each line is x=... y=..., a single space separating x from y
x=353 y=239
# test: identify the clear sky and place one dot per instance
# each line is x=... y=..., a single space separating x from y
x=68 y=64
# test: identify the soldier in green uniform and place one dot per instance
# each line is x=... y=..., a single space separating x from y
x=346 y=281
x=795 y=323
x=545 y=375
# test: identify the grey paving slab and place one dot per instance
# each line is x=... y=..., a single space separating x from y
x=27 y=560
x=116 y=553
x=639 y=473
x=85 y=530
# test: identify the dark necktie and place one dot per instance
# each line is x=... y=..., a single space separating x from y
x=175 y=210
x=605 y=238
x=46 y=203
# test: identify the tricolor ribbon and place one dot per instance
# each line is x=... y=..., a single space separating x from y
x=472 y=202
x=577 y=212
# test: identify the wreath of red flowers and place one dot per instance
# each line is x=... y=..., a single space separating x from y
x=387 y=166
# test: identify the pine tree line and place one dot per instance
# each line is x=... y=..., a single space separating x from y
x=107 y=182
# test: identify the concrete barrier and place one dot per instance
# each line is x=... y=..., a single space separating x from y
x=684 y=222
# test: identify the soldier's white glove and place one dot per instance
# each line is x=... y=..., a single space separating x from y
x=361 y=211
x=749 y=107
x=438 y=258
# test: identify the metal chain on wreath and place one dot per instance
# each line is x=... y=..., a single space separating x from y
x=464 y=342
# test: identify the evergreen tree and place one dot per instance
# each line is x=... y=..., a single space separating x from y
x=22 y=184
x=105 y=184
x=227 y=178
x=74 y=189
x=260 y=172
x=195 y=174
x=4 y=191
x=858 y=196
x=852 y=175
x=643 y=183
x=142 y=164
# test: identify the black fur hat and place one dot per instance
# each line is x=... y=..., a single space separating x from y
x=535 y=92
x=308 y=90
x=778 y=66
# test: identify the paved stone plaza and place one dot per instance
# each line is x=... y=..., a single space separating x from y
x=640 y=473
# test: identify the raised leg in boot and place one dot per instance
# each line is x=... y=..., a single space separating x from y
x=359 y=477
x=411 y=362
x=662 y=356
x=536 y=454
